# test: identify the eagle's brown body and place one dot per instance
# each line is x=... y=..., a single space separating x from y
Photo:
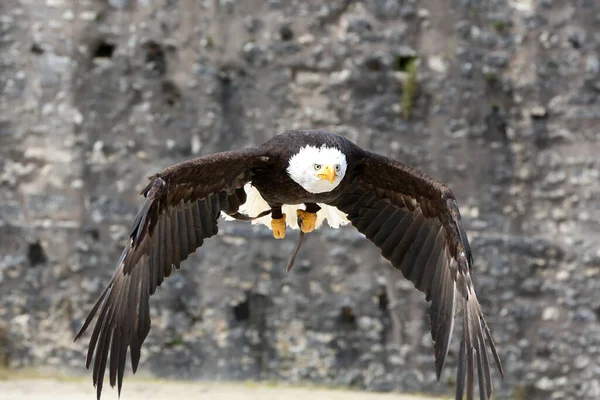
x=412 y=218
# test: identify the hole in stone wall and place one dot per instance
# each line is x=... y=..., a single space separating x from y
x=286 y=33
x=402 y=62
x=384 y=300
x=575 y=42
x=4 y=347
x=171 y=93
x=36 y=254
x=92 y=232
x=225 y=76
x=347 y=316
x=241 y=311
x=373 y=63
x=103 y=49
x=544 y=352
x=155 y=58
x=36 y=49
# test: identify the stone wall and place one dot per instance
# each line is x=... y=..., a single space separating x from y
x=499 y=99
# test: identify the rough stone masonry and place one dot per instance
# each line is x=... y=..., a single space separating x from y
x=500 y=99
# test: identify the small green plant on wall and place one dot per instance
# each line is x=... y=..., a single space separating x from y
x=409 y=88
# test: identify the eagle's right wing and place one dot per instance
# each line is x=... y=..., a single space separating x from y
x=183 y=203
x=415 y=222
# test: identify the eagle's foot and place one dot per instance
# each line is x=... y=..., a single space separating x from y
x=278 y=226
x=306 y=220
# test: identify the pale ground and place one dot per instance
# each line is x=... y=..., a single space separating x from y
x=51 y=389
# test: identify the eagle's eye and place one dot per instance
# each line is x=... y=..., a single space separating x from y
x=337 y=168
x=317 y=166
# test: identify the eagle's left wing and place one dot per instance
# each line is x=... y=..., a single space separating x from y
x=181 y=208
x=415 y=222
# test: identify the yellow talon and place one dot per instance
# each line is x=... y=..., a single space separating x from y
x=278 y=226
x=308 y=220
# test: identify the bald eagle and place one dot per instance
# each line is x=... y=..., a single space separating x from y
x=297 y=179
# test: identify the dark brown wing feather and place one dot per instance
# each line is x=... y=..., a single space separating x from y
x=415 y=222
x=181 y=209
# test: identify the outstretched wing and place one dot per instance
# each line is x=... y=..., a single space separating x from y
x=415 y=222
x=181 y=209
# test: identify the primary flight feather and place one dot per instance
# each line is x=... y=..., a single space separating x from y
x=297 y=179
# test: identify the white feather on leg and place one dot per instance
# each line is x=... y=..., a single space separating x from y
x=255 y=204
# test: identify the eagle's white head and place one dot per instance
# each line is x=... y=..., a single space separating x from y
x=318 y=170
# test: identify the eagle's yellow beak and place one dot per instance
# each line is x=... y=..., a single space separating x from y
x=328 y=172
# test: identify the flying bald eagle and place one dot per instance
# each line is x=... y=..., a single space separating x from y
x=412 y=218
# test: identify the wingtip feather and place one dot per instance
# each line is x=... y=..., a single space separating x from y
x=461 y=371
x=488 y=335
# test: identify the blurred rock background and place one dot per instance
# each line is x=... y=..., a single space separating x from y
x=500 y=99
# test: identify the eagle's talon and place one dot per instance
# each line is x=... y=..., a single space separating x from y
x=307 y=220
x=278 y=226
